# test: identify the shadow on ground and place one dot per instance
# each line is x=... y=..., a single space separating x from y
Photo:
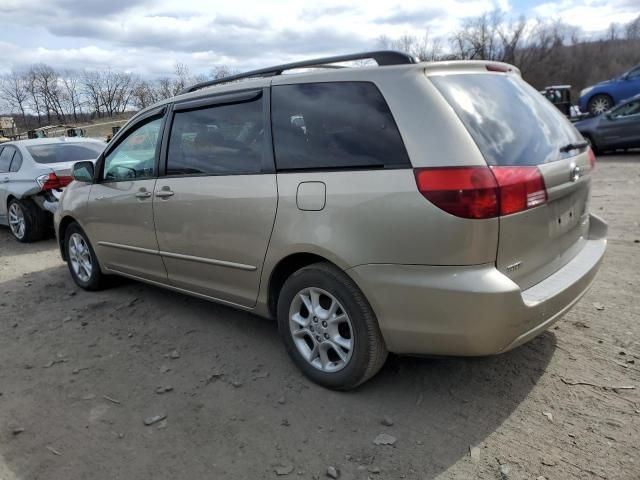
x=80 y=372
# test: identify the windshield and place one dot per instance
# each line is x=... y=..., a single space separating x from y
x=511 y=122
x=65 y=152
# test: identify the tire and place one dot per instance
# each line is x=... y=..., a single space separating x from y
x=354 y=324
x=27 y=222
x=599 y=104
x=82 y=260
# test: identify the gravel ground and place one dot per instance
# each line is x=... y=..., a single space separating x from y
x=81 y=372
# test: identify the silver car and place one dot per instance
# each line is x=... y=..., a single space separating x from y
x=33 y=174
x=416 y=208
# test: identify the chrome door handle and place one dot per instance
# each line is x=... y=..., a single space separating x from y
x=143 y=194
x=164 y=193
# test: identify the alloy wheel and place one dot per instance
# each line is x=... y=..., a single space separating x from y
x=600 y=105
x=80 y=257
x=321 y=329
x=17 y=223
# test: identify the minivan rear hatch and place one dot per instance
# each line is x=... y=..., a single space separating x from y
x=513 y=125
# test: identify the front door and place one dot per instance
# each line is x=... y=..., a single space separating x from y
x=621 y=127
x=214 y=210
x=630 y=86
x=119 y=219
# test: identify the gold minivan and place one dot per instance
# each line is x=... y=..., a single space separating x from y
x=417 y=208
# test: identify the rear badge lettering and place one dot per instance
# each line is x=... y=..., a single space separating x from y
x=514 y=266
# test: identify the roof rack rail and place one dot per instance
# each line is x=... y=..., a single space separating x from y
x=381 y=57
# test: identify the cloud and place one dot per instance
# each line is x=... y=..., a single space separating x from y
x=418 y=17
x=93 y=8
x=149 y=36
x=319 y=12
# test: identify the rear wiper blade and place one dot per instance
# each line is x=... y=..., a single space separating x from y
x=573 y=146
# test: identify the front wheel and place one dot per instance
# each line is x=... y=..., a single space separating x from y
x=599 y=104
x=329 y=328
x=81 y=259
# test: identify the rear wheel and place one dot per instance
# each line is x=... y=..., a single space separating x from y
x=329 y=328
x=599 y=104
x=27 y=222
x=81 y=259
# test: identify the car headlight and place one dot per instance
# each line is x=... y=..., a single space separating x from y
x=584 y=91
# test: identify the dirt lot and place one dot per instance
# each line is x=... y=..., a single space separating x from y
x=79 y=372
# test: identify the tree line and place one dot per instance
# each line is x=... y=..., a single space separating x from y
x=42 y=95
x=546 y=52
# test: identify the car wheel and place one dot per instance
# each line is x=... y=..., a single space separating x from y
x=81 y=259
x=599 y=104
x=26 y=220
x=329 y=328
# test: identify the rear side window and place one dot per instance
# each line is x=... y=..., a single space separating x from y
x=334 y=125
x=217 y=140
x=16 y=163
x=5 y=159
x=65 y=152
x=511 y=122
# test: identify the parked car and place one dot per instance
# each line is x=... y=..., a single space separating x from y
x=618 y=128
x=33 y=173
x=418 y=208
x=603 y=96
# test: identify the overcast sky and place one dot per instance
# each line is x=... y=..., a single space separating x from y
x=149 y=36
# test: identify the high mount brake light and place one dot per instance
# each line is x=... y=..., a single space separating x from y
x=51 y=181
x=492 y=67
x=482 y=192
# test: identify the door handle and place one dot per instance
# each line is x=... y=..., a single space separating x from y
x=5 y=179
x=164 y=192
x=143 y=194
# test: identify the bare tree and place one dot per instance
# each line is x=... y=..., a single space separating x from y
x=13 y=90
x=91 y=84
x=425 y=48
x=72 y=95
x=221 y=71
x=479 y=38
x=47 y=88
x=632 y=29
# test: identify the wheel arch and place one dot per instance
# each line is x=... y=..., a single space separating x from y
x=285 y=267
x=602 y=93
x=62 y=230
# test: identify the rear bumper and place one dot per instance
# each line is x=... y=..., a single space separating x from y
x=473 y=310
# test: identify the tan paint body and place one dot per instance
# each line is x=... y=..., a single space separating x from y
x=438 y=284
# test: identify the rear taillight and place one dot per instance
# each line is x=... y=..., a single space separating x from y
x=482 y=192
x=51 y=181
x=520 y=188
x=467 y=192
x=592 y=158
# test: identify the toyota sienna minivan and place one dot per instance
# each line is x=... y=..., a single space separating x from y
x=415 y=208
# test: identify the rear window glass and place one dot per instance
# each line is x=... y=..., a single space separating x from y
x=65 y=152
x=334 y=125
x=511 y=122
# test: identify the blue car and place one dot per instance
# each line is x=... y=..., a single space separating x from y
x=602 y=96
x=618 y=128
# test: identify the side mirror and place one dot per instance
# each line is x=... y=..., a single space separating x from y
x=83 y=172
